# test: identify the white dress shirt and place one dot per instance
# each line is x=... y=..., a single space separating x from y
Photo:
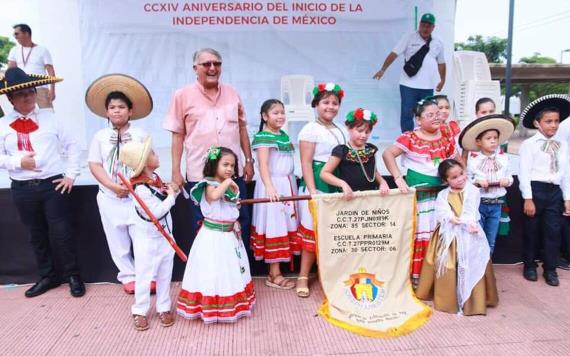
x=103 y=150
x=535 y=165
x=475 y=172
x=48 y=141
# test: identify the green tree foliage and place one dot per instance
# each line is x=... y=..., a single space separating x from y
x=538 y=90
x=495 y=48
x=5 y=46
x=536 y=58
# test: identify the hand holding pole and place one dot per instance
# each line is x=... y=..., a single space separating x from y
x=154 y=220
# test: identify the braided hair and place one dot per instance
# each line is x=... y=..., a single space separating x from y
x=265 y=107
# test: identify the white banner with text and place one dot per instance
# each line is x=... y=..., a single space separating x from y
x=342 y=41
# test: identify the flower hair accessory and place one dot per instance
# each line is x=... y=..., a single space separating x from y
x=332 y=87
x=213 y=153
x=361 y=114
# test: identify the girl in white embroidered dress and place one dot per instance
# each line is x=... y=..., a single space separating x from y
x=274 y=225
x=217 y=285
x=316 y=142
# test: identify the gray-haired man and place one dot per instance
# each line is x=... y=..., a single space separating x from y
x=203 y=114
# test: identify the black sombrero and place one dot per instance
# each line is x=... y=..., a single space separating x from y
x=504 y=124
x=559 y=101
x=98 y=91
x=16 y=79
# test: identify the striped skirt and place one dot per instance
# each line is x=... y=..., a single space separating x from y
x=217 y=285
x=425 y=218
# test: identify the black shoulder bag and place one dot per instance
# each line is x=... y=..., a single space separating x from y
x=413 y=65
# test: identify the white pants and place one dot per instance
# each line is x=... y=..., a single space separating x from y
x=116 y=217
x=153 y=257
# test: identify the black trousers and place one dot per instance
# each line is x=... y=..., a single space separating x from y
x=46 y=214
x=547 y=222
x=565 y=243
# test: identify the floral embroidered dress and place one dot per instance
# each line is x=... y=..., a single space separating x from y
x=274 y=225
x=350 y=169
x=421 y=158
x=217 y=285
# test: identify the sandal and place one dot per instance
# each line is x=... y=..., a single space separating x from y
x=283 y=283
x=166 y=319
x=141 y=323
x=303 y=292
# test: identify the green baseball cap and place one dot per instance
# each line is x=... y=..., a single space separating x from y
x=429 y=18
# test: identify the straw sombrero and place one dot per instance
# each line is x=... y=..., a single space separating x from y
x=16 y=79
x=97 y=92
x=559 y=101
x=134 y=155
x=504 y=124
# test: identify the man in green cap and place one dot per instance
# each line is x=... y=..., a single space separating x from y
x=429 y=71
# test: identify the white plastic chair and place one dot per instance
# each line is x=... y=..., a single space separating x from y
x=297 y=89
x=296 y=95
x=471 y=65
x=471 y=91
x=472 y=77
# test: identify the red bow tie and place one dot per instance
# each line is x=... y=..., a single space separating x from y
x=24 y=126
x=157 y=182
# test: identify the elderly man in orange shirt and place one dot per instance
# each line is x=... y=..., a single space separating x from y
x=204 y=114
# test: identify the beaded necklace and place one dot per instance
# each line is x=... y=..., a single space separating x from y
x=362 y=164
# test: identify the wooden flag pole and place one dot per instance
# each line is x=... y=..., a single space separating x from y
x=156 y=223
x=267 y=200
x=308 y=197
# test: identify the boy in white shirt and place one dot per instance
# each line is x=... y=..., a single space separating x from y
x=153 y=254
x=487 y=165
x=544 y=177
x=120 y=99
x=31 y=146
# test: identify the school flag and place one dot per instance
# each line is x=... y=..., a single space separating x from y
x=364 y=251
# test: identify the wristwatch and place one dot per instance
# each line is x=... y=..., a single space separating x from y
x=249 y=160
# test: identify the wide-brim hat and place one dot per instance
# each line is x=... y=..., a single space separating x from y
x=559 y=101
x=504 y=124
x=16 y=79
x=134 y=155
x=98 y=91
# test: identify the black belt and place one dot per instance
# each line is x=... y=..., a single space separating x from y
x=544 y=185
x=34 y=182
x=500 y=200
